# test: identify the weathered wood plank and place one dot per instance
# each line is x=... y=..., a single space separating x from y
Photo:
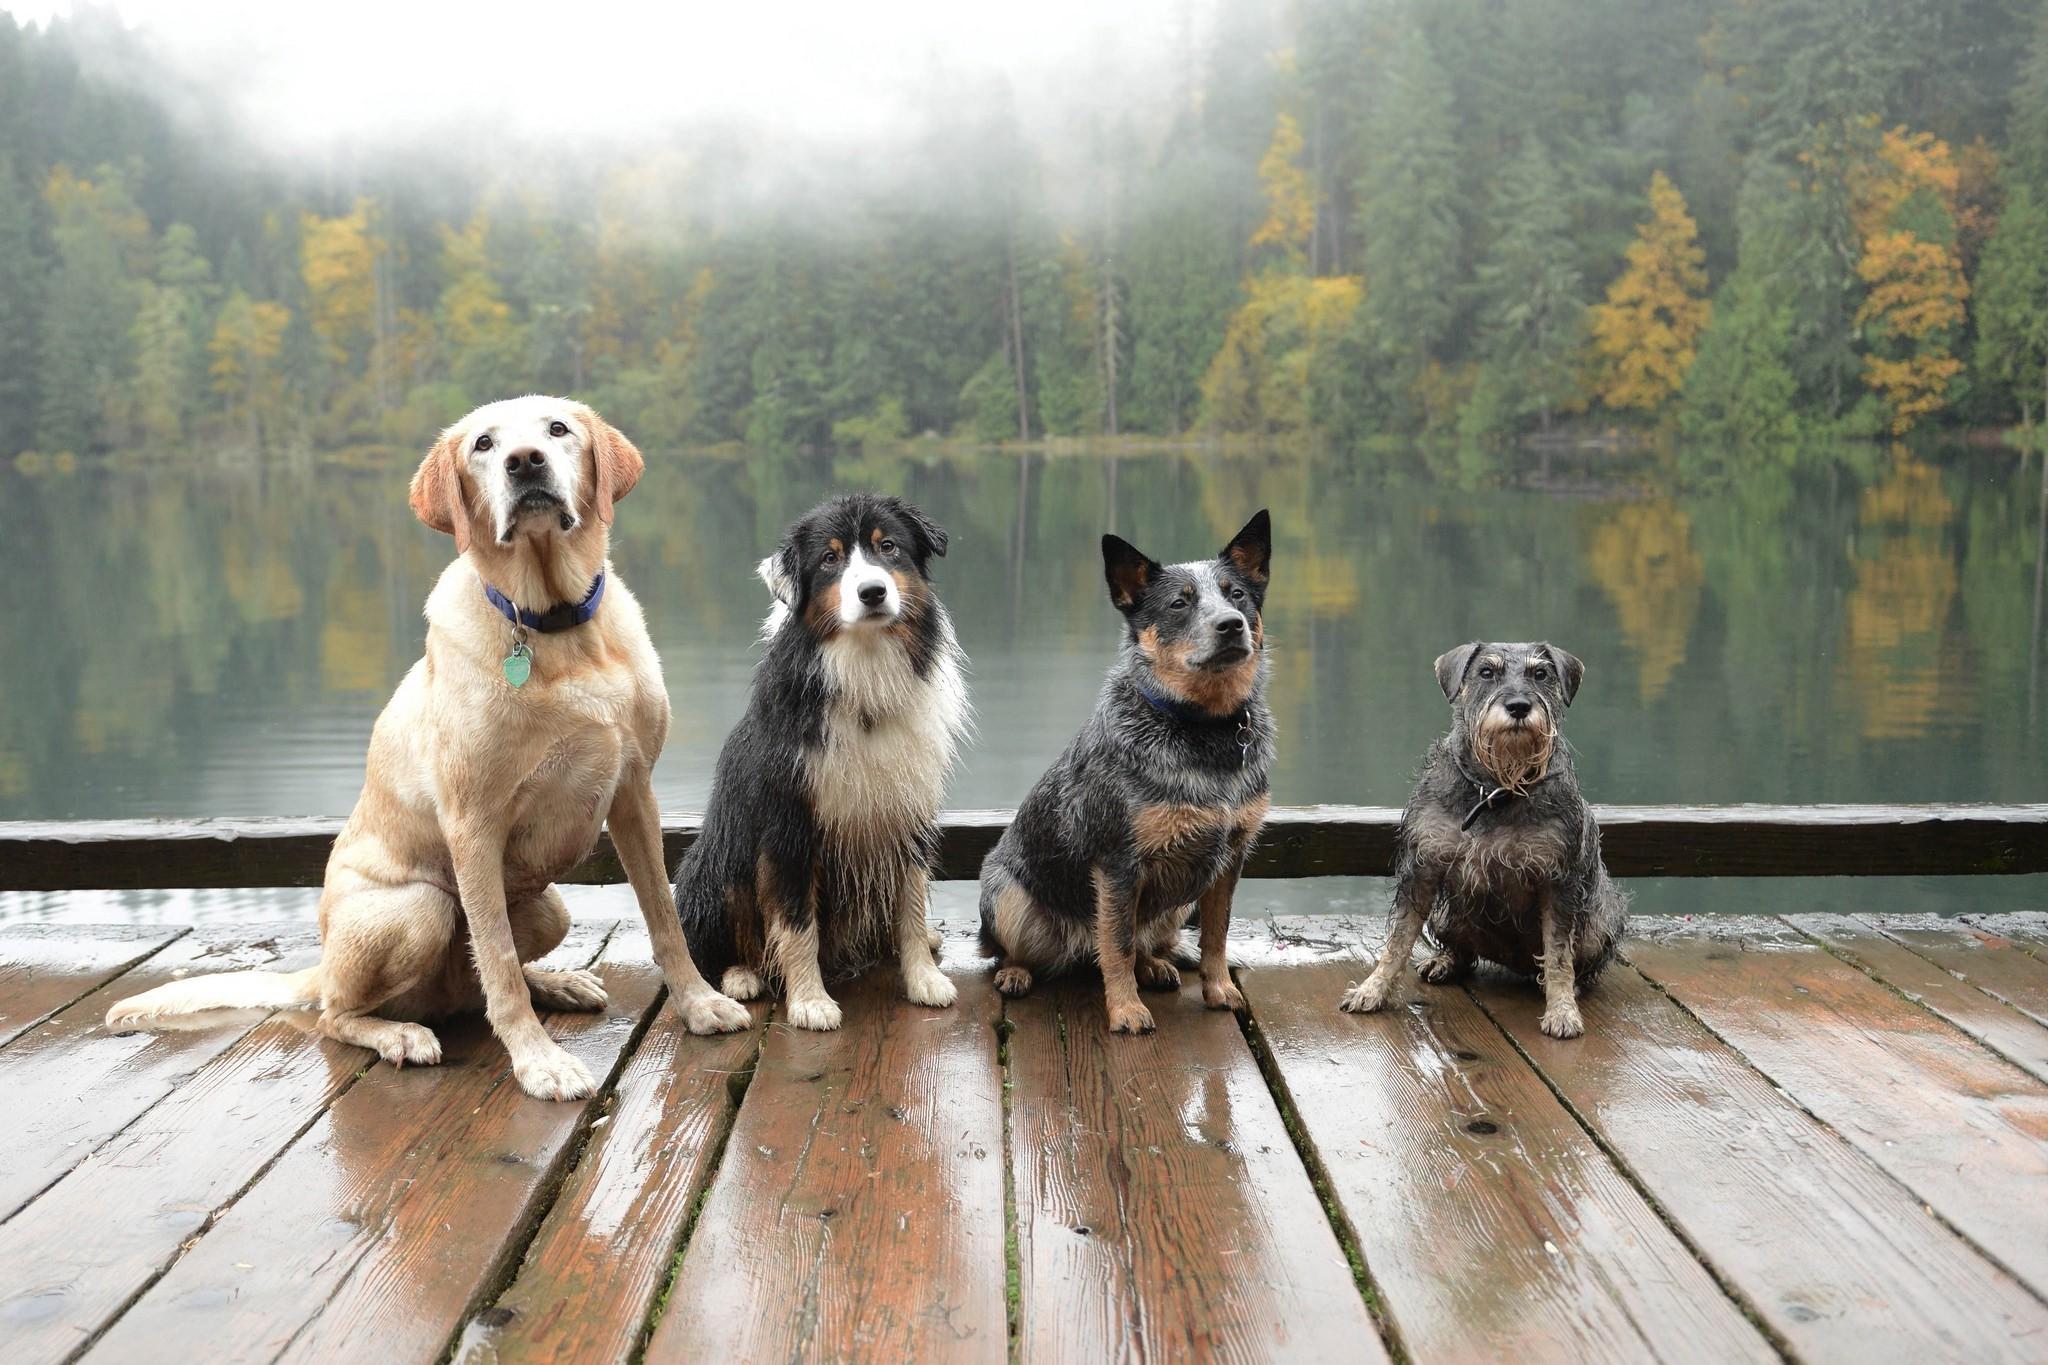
x=593 y=1271
x=1492 y=1225
x=1299 y=841
x=1965 y=1130
x=44 y=967
x=2004 y=1030
x=71 y=1085
x=75 y=1256
x=373 y=1236
x=858 y=1213
x=2005 y=956
x=1839 y=1260
x=1162 y=1213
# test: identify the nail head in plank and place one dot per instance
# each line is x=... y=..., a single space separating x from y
x=858 y=1212
x=1162 y=1211
x=1836 y=1257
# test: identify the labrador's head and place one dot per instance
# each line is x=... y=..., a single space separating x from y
x=532 y=466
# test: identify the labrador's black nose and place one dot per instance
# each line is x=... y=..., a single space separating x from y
x=873 y=594
x=524 y=463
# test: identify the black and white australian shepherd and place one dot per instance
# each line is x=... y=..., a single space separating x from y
x=816 y=855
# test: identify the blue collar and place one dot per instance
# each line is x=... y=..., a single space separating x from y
x=1190 y=714
x=561 y=616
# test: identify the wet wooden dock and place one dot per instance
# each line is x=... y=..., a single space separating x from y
x=1821 y=1139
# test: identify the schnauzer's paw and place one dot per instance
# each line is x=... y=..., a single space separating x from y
x=411 y=1043
x=1223 y=995
x=818 y=1012
x=927 y=985
x=1131 y=1018
x=576 y=990
x=741 y=983
x=1440 y=969
x=1157 y=974
x=714 y=1013
x=1562 y=1020
x=552 y=1074
x=1365 y=997
x=1013 y=981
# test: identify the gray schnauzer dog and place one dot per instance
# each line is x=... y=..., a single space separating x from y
x=1499 y=854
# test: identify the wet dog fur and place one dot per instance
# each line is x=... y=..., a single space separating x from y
x=1154 y=806
x=816 y=855
x=1499 y=856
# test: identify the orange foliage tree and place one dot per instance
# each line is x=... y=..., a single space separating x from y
x=1647 y=332
x=1904 y=209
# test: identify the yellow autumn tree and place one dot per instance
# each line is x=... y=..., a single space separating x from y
x=1290 y=193
x=475 y=322
x=338 y=263
x=1903 y=204
x=1646 y=333
x=248 y=339
x=1258 y=380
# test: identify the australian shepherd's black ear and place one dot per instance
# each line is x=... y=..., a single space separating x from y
x=928 y=537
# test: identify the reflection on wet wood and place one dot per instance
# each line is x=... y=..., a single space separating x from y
x=1756 y=1185
x=70 y=1084
x=44 y=967
x=288 y=1198
x=859 y=1209
x=1965 y=1130
x=374 y=1234
x=604 y=1253
x=1162 y=1212
x=1491 y=1223
x=2004 y=1030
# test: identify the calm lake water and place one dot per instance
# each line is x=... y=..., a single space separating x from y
x=188 y=638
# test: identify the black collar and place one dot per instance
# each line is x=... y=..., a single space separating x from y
x=561 y=616
x=1494 y=796
x=1187 y=713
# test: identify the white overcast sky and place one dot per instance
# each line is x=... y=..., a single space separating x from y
x=306 y=73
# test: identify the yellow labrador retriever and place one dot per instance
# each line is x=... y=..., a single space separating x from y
x=535 y=717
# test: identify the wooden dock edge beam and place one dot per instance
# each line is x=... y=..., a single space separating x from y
x=1299 y=841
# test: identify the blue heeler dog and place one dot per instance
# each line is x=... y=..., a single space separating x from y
x=1154 y=806
x=1499 y=854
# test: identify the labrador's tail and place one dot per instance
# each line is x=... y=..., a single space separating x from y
x=203 y=1002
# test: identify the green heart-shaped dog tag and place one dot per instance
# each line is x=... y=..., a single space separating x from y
x=519 y=666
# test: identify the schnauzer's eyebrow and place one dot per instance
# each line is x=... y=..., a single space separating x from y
x=1494 y=661
x=1534 y=661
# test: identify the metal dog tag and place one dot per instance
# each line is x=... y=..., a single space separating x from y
x=519 y=664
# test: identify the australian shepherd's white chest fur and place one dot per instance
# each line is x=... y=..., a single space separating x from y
x=889 y=735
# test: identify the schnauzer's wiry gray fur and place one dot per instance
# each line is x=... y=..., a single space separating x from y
x=1499 y=855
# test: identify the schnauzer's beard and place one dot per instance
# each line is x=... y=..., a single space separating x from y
x=1516 y=756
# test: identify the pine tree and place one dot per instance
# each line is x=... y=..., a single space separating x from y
x=22 y=271
x=1647 y=333
x=170 y=336
x=1531 y=309
x=102 y=243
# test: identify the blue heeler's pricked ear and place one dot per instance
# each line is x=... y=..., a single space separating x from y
x=1129 y=572
x=1450 y=669
x=1251 y=549
x=1570 y=672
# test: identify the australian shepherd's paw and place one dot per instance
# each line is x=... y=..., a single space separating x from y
x=1132 y=1018
x=1223 y=995
x=1562 y=1020
x=551 y=1074
x=741 y=983
x=410 y=1044
x=820 y=1012
x=574 y=990
x=714 y=1013
x=1157 y=974
x=927 y=985
x=1013 y=980
x=1365 y=997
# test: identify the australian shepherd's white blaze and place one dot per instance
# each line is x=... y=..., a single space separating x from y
x=815 y=860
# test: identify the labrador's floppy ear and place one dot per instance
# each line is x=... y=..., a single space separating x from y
x=1129 y=571
x=618 y=463
x=1570 y=672
x=1450 y=669
x=437 y=497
